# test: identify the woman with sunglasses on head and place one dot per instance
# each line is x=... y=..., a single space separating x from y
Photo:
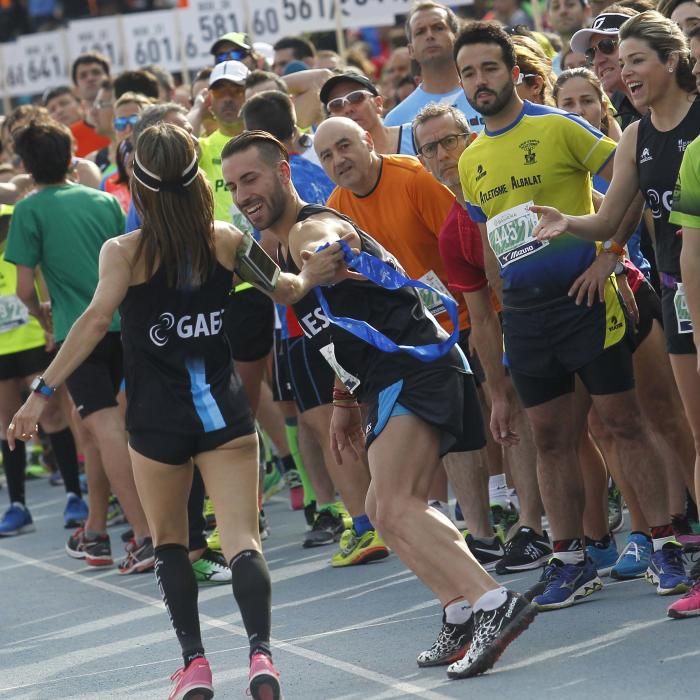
x=170 y=280
x=656 y=70
x=536 y=73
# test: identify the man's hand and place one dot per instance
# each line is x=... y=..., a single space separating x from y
x=592 y=281
x=502 y=419
x=552 y=223
x=26 y=420
x=44 y=317
x=628 y=296
x=327 y=266
x=346 y=432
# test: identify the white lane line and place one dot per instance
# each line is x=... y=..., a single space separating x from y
x=330 y=662
x=9 y=567
x=410 y=577
x=44 y=619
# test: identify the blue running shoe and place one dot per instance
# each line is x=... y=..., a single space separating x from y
x=604 y=558
x=75 y=513
x=566 y=583
x=634 y=559
x=666 y=570
x=16 y=521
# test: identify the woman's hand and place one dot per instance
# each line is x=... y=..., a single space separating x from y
x=552 y=223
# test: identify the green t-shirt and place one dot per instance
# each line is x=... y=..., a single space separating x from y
x=686 y=196
x=210 y=161
x=62 y=229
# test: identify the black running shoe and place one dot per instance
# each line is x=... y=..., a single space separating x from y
x=310 y=515
x=327 y=528
x=139 y=558
x=488 y=555
x=526 y=550
x=494 y=630
x=97 y=552
x=451 y=644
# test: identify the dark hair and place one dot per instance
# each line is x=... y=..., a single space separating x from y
x=271 y=150
x=86 y=58
x=125 y=147
x=46 y=149
x=22 y=113
x=270 y=111
x=257 y=77
x=590 y=77
x=106 y=84
x=668 y=7
x=163 y=76
x=141 y=81
x=487 y=33
x=453 y=22
x=202 y=74
x=301 y=48
x=53 y=93
x=178 y=226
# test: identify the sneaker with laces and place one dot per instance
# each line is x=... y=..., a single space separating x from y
x=17 y=520
x=310 y=515
x=327 y=528
x=55 y=479
x=494 y=630
x=504 y=516
x=115 y=514
x=524 y=551
x=139 y=558
x=564 y=584
x=263 y=678
x=634 y=559
x=97 y=552
x=666 y=570
x=75 y=513
x=688 y=605
x=193 y=682
x=604 y=558
x=211 y=568
x=616 y=518
x=359 y=549
x=209 y=514
x=488 y=555
x=684 y=533
x=214 y=540
x=451 y=644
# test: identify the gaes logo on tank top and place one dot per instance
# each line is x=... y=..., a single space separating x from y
x=186 y=327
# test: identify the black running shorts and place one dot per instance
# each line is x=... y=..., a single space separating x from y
x=310 y=375
x=281 y=385
x=676 y=343
x=27 y=363
x=249 y=324
x=96 y=383
x=473 y=357
x=649 y=306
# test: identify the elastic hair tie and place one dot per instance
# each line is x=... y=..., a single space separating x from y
x=154 y=183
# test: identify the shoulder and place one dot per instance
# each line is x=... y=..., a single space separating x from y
x=226 y=237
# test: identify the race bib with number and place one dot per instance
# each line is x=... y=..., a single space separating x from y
x=13 y=313
x=685 y=323
x=350 y=381
x=431 y=300
x=510 y=234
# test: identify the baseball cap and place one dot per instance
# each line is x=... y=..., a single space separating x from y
x=233 y=71
x=237 y=38
x=605 y=24
x=346 y=77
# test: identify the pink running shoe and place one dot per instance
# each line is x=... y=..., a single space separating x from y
x=688 y=605
x=263 y=677
x=193 y=682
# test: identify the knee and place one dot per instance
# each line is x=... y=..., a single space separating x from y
x=625 y=424
x=388 y=513
x=551 y=442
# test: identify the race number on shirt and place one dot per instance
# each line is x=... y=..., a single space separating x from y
x=680 y=303
x=510 y=234
x=13 y=313
x=431 y=300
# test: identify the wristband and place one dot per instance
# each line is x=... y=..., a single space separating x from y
x=611 y=246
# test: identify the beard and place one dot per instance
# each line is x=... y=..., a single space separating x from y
x=503 y=98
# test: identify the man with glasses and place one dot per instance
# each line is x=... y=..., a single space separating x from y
x=234 y=46
x=354 y=96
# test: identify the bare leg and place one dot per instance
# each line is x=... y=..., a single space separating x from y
x=312 y=456
x=438 y=489
x=251 y=374
x=271 y=419
x=470 y=481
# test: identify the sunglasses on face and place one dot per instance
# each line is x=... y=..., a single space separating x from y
x=232 y=55
x=226 y=88
x=120 y=123
x=449 y=143
x=356 y=97
x=529 y=78
x=605 y=46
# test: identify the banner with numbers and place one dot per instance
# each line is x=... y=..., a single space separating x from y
x=101 y=34
x=34 y=63
x=152 y=37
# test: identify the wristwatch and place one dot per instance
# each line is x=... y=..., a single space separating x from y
x=620 y=268
x=39 y=386
x=611 y=246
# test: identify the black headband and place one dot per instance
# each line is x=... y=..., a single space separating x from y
x=154 y=183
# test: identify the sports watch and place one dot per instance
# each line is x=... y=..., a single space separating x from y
x=611 y=246
x=39 y=386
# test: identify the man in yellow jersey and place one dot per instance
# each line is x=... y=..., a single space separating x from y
x=561 y=312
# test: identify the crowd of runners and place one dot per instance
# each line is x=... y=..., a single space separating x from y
x=467 y=265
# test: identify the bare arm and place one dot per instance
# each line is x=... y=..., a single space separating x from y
x=87 y=173
x=493 y=269
x=304 y=87
x=690 y=272
x=200 y=110
x=27 y=294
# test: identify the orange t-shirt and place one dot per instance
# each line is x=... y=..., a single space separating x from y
x=404 y=213
x=87 y=139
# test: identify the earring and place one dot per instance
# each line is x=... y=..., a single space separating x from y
x=670 y=70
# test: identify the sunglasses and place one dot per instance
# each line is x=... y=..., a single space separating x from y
x=605 y=46
x=528 y=78
x=225 y=87
x=232 y=55
x=356 y=97
x=120 y=123
x=449 y=143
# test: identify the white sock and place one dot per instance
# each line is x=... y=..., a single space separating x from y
x=498 y=481
x=458 y=611
x=659 y=542
x=575 y=557
x=491 y=600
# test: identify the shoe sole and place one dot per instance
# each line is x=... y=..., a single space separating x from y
x=605 y=571
x=308 y=544
x=72 y=524
x=445 y=661
x=265 y=687
x=141 y=568
x=198 y=694
x=678 y=615
x=516 y=568
x=676 y=590
x=487 y=660
x=98 y=561
x=19 y=531
x=590 y=587
x=625 y=577
x=368 y=556
x=74 y=553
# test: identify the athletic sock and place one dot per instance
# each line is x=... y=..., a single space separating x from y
x=568 y=551
x=63 y=446
x=291 y=429
x=361 y=524
x=252 y=590
x=287 y=464
x=94 y=534
x=497 y=481
x=178 y=587
x=602 y=543
x=458 y=611
x=491 y=600
x=14 y=464
x=661 y=535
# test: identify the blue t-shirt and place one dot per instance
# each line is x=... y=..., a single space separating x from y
x=133 y=220
x=405 y=112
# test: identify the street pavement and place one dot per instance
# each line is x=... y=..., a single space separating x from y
x=69 y=631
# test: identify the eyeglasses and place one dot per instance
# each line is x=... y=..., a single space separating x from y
x=120 y=123
x=449 y=143
x=232 y=55
x=528 y=78
x=605 y=46
x=356 y=97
